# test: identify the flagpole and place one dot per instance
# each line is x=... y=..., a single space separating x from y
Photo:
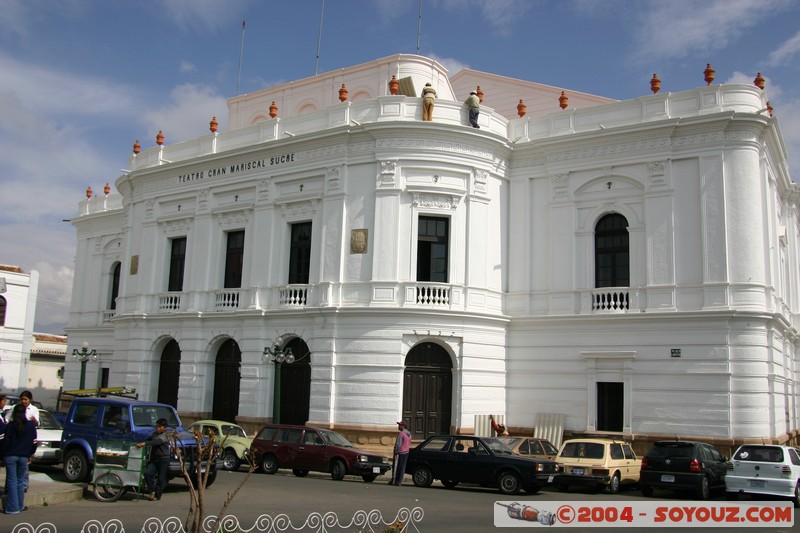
x=241 y=54
x=319 y=38
x=419 y=25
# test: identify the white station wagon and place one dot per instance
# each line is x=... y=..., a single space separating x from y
x=764 y=469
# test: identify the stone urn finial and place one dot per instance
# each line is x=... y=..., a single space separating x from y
x=563 y=100
x=709 y=74
x=160 y=138
x=759 y=81
x=521 y=108
x=655 y=83
x=343 y=93
x=479 y=92
x=273 y=110
x=213 y=125
x=88 y=192
x=137 y=147
x=107 y=189
x=394 y=85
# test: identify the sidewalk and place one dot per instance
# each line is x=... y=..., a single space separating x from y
x=45 y=491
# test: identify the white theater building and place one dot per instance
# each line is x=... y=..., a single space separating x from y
x=630 y=265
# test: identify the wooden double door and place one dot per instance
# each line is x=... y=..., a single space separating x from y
x=428 y=391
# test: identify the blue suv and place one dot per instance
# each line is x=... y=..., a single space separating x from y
x=119 y=419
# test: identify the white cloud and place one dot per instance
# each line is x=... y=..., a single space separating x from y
x=452 y=65
x=501 y=15
x=203 y=16
x=677 y=29
x=786 y=52
x=187 y=114
x=187 y=68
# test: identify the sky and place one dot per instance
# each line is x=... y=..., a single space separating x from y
x=81 y=80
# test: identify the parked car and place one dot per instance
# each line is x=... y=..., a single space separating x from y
x=597 y=462
x=232 y=439
x=93 y=419
x=764 y=469
x=12 y=399
x=305 y=449
x=455 y=459
x=681 y=465
x=48 y=440
x=531 y=447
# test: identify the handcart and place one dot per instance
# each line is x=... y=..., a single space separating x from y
x=118 y=466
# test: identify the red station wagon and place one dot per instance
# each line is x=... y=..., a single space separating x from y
x=305 y=449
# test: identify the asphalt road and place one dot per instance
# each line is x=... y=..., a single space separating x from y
x=435 y=509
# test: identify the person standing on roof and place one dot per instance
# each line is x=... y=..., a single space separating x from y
x=474 y=105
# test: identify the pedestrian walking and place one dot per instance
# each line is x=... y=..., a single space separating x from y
x=428 y=99
x=401 y=448
x=473 y=103
x=155 y=475
x=16 y=450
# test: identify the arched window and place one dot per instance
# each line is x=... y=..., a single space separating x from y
x=115 y=271
x=611 y=252
x=2 y=311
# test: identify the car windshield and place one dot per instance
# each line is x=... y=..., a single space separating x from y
x=764 y=454
x=48 y=421
x=672 y=449
x=233 y=431
x=588 y=450
x=498 y=447
x=146 y=415
x=549 y=449
x=335 y=439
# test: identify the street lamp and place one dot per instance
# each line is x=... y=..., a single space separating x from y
x=83 y=355
x=278 y=355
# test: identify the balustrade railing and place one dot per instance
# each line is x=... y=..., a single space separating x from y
x=226 y=299
x=293 y=296
x=433 y=294
x=610 y=300
x=169 y=302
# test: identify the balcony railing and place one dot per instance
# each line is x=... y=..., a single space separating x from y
x=169 y=302
x=108 y=315
x=433 y=294
x=293 y=296
x=226 y=299
x=610 y=300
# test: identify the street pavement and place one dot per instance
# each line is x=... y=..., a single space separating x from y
x=313 y=503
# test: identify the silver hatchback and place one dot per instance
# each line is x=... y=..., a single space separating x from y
x=764 y=469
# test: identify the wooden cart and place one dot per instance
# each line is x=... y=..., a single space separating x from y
x=118 y=466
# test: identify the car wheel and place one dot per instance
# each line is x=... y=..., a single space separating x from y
x=368 y=478
x=299 y=473
x=449 y=483
x=509 y=483
x=230 y=461
x=704 y=490
x=532 y=489
x=647 y=490
x=796 y=499
x=613 y=485
x=76 y=466
x=269 y=463
x=212 y=477
x=423 y=477
x=338 y=470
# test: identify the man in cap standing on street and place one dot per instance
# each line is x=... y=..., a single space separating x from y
x=401 y=447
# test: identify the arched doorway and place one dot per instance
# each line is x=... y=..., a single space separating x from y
x=427 y=390
x=169 y=374
x=295 y=385
x=226 y=382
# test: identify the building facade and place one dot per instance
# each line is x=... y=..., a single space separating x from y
x=18 y=291
x=631 y=266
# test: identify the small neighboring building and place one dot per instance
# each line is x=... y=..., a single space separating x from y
x=46 y=370
x=18 y=292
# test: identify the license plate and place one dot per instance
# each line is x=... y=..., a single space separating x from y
x=550 y=478
x=376 y=470
x=578 y=471
x=756 y=483
x=666 y=478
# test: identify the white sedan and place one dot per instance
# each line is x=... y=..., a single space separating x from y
x=764 y=469
x=48 y=440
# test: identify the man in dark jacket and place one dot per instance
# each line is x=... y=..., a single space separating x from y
x=155 y=476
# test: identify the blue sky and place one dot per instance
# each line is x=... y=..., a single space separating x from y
x=83 y=79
